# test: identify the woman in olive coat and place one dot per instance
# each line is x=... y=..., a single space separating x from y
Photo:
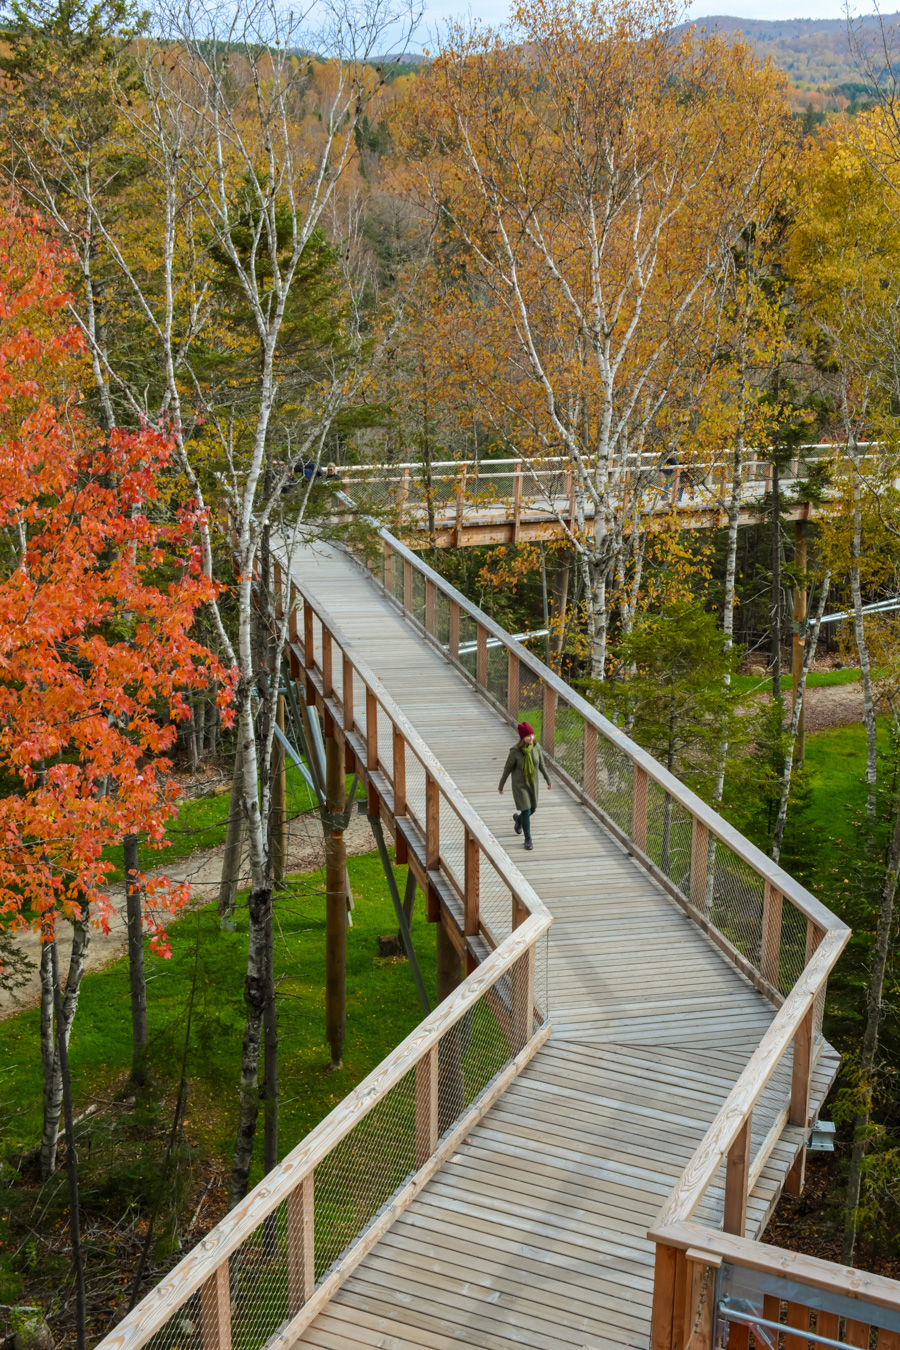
x=524 y=762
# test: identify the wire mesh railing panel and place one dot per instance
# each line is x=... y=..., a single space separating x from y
x=415 y=789
x=472 y=1052
x=182 y=1331
x=610 y=781
x=794 y=952
x=487 y=489
x=452 y=838
x=495 y=901
x=669 y=836
x=418 y=596
x=442 y=618
x=258 y=1276
x=569 y=740
x=468 y=635
x=735 y=896
x=531 y=700
x=386 y=743
x=498 y=673
x=357 y=1179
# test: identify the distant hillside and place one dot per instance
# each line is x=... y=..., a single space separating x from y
x=815 y=53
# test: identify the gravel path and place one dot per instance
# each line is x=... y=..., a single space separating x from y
x=203 y=870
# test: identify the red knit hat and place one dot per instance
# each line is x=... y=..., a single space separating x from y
x=524 y=730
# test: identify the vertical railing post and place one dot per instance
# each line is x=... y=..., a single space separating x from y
x=512 y=685
x=798 y=1109
x=347 y=695
x=454 y=629
x=426 y=1106
x=665 y=1283
x=460 y=508
x=471 y=895
x=700 y=1302
x=399 y=756
x=293 y=634
x=327 y=681
x=589 y=771
x=481 y=664
x=522 y=1009
x=407 y=585
x=372 y=746
x=301 y=1244
x=699 y=860
x=548 y=724
x=770 y=954
x=640 y=793
x=430 y=602
x=737 y=1176
x=309 y=658
x=432 y=824
x=570 y=496
x=215 y=1310
x=404 y=490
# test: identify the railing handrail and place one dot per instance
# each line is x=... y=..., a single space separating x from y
x=712 y=1149
x=240 y=1223
x=752 y=454
x=879 y=1290
x=776 y=876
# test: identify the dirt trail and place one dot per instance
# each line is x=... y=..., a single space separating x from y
x=203 y=870
x=834 y=706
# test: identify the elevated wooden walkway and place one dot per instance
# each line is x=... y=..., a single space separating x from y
x=535 y=1231
x=581 y=1145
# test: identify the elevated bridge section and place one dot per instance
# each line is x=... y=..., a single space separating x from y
x=581 y=1146
x=463 y=503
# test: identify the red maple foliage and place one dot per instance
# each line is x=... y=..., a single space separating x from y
x=99 y=587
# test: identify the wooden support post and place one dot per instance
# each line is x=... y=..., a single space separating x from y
x=699 y=857
x=407 y=585
x=798 y=1112
x=570 y=495
x=404 y=490
x=430 y=603
x=347 y=695
x=512 y=685
x=432 y=824
x=481 y=664
x=460 y=508
x=215 y=1310
x=426 y=1106
x=699 y=1308
x=371 y=730
x=548 y=725
x=471 y=897
x=519 y=912
x=517 y=503
x=814 y=936
x=796 y=1177
x=309 y=656
x=301 y=1244
x=663 y=1308
x=522 y=981
x=770 y=955
x=454 y=629
x=388 y=568
x=737 y=1175
x=327 y=679
x=589 y=772
x=399 y=752
x=640 y=793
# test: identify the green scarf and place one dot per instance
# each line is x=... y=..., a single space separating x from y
x=528 y=765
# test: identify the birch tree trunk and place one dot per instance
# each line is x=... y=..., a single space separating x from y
x=53 y=1083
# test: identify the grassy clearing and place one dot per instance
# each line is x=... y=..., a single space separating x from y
x=382 y=1008
x=816 y=679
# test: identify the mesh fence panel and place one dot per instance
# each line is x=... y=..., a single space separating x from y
x=531 y=700
x=361 y=1173
x=495 y=902
x=418 y=604
x=442 y=618
x=736 y=906
x=467 y=639
x=613 y=791
x=498 y=673
x=385 y=742
x=415 y=789
x=793 y=954
x=569 y=740
x=453 y=842
x=258 y=1275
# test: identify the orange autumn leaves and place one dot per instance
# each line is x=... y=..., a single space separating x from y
x=98 y=593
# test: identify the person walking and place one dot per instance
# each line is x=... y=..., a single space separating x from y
x=524 y=762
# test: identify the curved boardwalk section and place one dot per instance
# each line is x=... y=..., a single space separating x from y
x=534 y=1232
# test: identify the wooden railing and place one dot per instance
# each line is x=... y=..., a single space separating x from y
x=721 y=1290
x=261 y=1275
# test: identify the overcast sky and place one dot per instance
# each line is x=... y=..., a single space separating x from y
x=494 y=11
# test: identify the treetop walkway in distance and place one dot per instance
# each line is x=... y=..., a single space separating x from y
x=508 y=501
x=582 y=1144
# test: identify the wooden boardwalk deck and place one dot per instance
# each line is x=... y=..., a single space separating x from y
x=534 y=1232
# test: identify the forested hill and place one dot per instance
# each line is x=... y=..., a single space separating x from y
x=815 y=53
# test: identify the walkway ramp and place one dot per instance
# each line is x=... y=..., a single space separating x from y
x=534 y=1233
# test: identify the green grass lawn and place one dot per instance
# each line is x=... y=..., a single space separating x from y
x=382 y=1008
x=816 y=679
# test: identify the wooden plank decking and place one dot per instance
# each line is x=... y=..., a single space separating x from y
x=534 y=1233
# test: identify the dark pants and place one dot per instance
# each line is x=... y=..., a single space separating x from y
x=525 y=820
